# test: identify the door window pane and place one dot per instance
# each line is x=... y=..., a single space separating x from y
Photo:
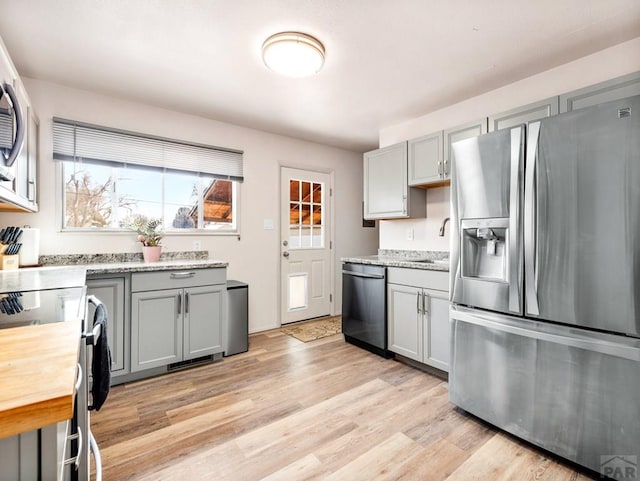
x=306 y=214
x=305 y=210
x=294 y=190
x=305 y=236
x=317 y=193
x=317 y=215
x=294 y=214
x=317 y=239
x=306 y=191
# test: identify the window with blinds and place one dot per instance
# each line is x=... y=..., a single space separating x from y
x=111 y=177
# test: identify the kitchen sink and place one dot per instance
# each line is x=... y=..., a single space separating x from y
x=441 y=262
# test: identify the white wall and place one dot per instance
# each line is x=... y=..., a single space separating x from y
x=255 y=258
x=606 y=64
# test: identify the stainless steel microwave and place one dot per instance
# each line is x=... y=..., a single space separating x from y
x=12 y=130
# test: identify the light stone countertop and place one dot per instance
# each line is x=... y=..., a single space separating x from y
x=121 y=267
x=411 y=259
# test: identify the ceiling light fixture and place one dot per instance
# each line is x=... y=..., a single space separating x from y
x=293 y=54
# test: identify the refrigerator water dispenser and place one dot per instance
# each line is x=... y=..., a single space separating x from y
x=484 y=251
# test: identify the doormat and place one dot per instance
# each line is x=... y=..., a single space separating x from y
x=311 y=330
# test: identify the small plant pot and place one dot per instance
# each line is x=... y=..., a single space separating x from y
x=151 y=253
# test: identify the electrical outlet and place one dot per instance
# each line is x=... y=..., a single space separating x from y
x=410 y=233
x=197 y=245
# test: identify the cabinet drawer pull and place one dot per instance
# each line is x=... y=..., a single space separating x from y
x=182 y=275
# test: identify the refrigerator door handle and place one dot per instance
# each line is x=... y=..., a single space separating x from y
x=530 y=228
x=622 y=350
x=515 y=263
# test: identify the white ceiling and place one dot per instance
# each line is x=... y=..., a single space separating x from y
x=387 y=61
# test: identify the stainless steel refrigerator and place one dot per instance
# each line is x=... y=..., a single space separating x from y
x=545 y=282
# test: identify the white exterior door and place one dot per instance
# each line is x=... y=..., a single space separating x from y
x=305 y=245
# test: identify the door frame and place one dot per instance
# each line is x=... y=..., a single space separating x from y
x=330 y=219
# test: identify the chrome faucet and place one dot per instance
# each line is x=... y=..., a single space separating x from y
x=444 y=222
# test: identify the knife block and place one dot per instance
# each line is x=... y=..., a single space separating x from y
x=9 y=262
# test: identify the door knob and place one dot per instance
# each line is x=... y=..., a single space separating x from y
x=285 y=243
x=285 y=254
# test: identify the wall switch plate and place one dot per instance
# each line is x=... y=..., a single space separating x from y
x=197 y=245
x=268 y=224
x=410 y=233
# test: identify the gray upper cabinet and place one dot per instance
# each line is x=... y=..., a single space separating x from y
x=386 y=191
x=426 y=160
x=618 y=88
x=111 y=291
x=465 y=131
x=524 y=114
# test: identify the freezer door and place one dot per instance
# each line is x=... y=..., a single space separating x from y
x=486 y=226
x=582 y=218
x=568 y=390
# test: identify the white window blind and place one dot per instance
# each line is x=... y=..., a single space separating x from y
x=88 y=143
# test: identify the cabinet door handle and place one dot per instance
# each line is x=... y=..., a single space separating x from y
x=31 y=191
x=418 y=303
x=424 y=307
x=186 y=303
x=182 y=275
x=179 y=303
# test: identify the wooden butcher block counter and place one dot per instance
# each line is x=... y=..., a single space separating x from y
x=39 y=356
x=38 y=366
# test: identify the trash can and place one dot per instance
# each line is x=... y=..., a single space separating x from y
x=237 y=318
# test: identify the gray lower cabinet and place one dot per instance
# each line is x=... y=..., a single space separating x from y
x=418 y=315
x=203 y=320
x=614 y=89
x=525 y=114
x=41 y=450
x=112 y=291
x=405 y=321
x=19 y=457
x=176 y=324
x=156 y=328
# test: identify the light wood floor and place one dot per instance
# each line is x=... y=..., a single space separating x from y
x=287 y=410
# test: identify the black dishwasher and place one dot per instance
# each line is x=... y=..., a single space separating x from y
x=364 y=307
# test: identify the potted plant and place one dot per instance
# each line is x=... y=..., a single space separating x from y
x=150 y=235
